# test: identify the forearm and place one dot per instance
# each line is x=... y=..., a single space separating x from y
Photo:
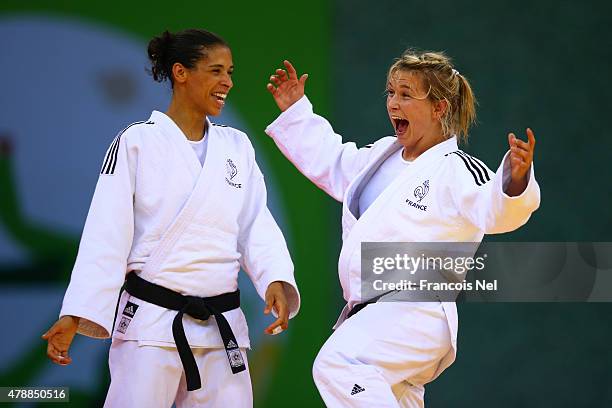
x=310 y=143
x=516 y=188
x=513 y=202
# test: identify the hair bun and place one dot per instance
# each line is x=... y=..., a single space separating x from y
x=158 y=51
x=186 y=47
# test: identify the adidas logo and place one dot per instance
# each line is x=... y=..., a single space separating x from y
x=231 y=344
x=130 y=309
x=357 y=389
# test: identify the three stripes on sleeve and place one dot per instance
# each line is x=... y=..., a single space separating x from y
x=475 y=167
x=110 y=160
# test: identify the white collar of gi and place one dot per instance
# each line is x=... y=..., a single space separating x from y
x=170 y=126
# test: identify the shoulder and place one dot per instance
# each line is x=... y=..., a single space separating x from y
x=128 y=140
x=125 y=137
x=228 y=130
x=468 y=167
x=131 y=132
x=232 y=134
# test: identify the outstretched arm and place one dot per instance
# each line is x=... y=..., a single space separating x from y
x=308 y=140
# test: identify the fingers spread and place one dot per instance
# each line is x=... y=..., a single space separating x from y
x=275 y=80
x=521 y=144
x=521 y=151
x=290 y=70
x=282 y=74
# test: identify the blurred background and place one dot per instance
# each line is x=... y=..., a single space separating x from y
x=73 y=75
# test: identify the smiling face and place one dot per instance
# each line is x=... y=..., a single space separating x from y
x=415 y=117
x=208 y=83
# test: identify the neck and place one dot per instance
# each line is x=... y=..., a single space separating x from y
x=415 y=148
x=191 y=122
x=411 y=152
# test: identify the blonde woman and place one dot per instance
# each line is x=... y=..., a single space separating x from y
x=415 y=186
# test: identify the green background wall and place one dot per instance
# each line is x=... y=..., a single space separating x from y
x=541 y=64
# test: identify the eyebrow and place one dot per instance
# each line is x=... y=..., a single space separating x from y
x=401 y=86
x=219 y=66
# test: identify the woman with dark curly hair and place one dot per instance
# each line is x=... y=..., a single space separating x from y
x=179 y=207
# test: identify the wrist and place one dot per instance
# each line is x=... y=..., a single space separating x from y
x=274 y=283
x=516 y=187
x=72 y=319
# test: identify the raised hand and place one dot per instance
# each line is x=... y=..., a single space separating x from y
x=521 y=158
x=285 y=86
x=60 y=337
x=277 y=300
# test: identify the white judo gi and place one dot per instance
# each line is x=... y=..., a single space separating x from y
x=383 y=355
x=150 y=174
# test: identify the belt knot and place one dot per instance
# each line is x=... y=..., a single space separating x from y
x=196 y=307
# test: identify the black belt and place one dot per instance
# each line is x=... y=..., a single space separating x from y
x=360 y=306
x=357 y=308
x=198 y=308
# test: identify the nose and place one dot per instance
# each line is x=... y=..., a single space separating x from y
x=227 y=81
x=392 y=102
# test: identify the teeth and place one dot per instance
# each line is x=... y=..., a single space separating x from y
x=220 y=95
x=396 y=118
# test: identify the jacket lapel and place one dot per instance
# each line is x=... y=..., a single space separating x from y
x=356 y=230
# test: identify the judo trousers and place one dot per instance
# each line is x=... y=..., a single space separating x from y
x=383 y=356
x=153 y=377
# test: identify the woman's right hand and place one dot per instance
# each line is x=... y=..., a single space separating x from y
x=60 y=337
x=285 y=86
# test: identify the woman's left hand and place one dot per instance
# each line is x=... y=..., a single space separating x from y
x=521 y=158
x=277 y=300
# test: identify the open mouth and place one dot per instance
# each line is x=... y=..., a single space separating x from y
x=400 y=124
x=220 y=97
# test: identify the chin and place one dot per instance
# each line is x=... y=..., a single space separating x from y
x=213 y=112
x=405 y=140
x=403 y=137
